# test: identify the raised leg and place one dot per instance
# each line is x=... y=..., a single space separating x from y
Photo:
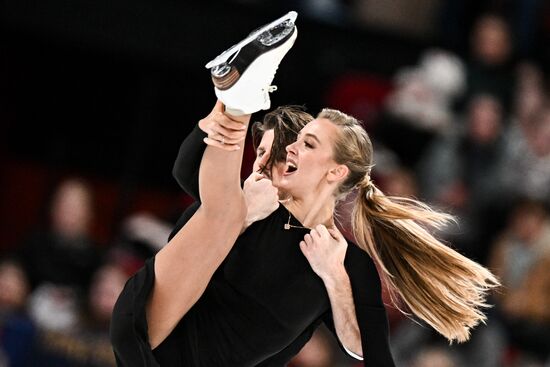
x=186 y=264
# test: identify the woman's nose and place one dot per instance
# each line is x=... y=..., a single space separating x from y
x=290 y=148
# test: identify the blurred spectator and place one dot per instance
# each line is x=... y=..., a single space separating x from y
x=527 y=157
x=141 y=235
x=434 y=357
x=421 y=104
x=530 y=94
x=87 y=343
x=461 y=171
x=413 y=18
x=16 y=329
x=63 y=253
x=14 y=285
x=521 y=258
x=54 y=307
x=490 y=67
x=424 y=94
x=416 y=344
x=317 y=352
x=147 y=229
x=400 y=182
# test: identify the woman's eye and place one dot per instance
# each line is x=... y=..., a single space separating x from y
x=308 y=145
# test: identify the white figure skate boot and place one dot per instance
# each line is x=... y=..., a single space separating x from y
x=242 y=74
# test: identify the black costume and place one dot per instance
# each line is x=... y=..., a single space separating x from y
x=262 y=304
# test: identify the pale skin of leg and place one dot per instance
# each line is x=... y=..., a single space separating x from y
x=186 y=264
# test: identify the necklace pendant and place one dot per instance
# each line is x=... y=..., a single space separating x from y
x=287 y=226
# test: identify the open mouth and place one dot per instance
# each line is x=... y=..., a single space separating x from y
x=290 y=168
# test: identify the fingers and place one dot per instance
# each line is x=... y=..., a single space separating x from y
x=227 y=121
x=319 y=232
x=228 y=126
x=224 y=130
x=229 y=136
x=254 y=177
x=308 y=239
x=303 y=247
x=219 y=144
x=335 y=233
x=258 y=176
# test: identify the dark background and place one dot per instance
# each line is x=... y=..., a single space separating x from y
x=108 y=89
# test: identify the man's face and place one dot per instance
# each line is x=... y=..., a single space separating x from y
x=263 y=153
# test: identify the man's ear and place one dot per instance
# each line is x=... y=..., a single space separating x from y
x=338 y=173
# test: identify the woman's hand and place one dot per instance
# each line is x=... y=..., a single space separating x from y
x=223 y=131
x=261 y=198
x=325 y=250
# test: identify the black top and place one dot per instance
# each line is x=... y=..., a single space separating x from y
x=262 y=304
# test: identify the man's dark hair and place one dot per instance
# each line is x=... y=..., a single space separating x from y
x=286 y=122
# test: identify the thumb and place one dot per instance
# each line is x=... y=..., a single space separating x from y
x=258 y=176
x=218 y=107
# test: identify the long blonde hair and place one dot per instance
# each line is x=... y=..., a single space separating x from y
x=440 y=286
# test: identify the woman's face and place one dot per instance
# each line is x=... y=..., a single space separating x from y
x=309 y=159
x=262 y=156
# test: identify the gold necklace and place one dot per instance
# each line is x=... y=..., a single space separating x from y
x=287 y=225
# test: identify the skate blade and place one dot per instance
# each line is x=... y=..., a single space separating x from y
x=267 y=35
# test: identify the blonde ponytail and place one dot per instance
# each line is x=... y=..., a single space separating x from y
x=440 y=286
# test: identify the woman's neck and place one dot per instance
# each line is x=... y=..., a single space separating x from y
x=312 y=211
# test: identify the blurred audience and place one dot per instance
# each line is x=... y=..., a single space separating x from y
x=62 y=252
x=139 y=237
x=318 y=352
x=470 y=135
x=521 y=259
x=424 y=95
x=527 y=156
x=462 y=170
x=17 y=331
x=421 y=105
x=86 y=343
x=434 y=357
x=490 y=68
x=530 y=91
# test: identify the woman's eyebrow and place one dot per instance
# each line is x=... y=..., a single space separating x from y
x=313 y=137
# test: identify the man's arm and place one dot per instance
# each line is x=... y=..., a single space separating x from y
x=325 y=251
x=343 y=312
x=186 y=167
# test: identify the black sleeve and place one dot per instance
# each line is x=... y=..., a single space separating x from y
x=284 y=356
x=188 y=161
x=128 y=330
x=369 y=308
